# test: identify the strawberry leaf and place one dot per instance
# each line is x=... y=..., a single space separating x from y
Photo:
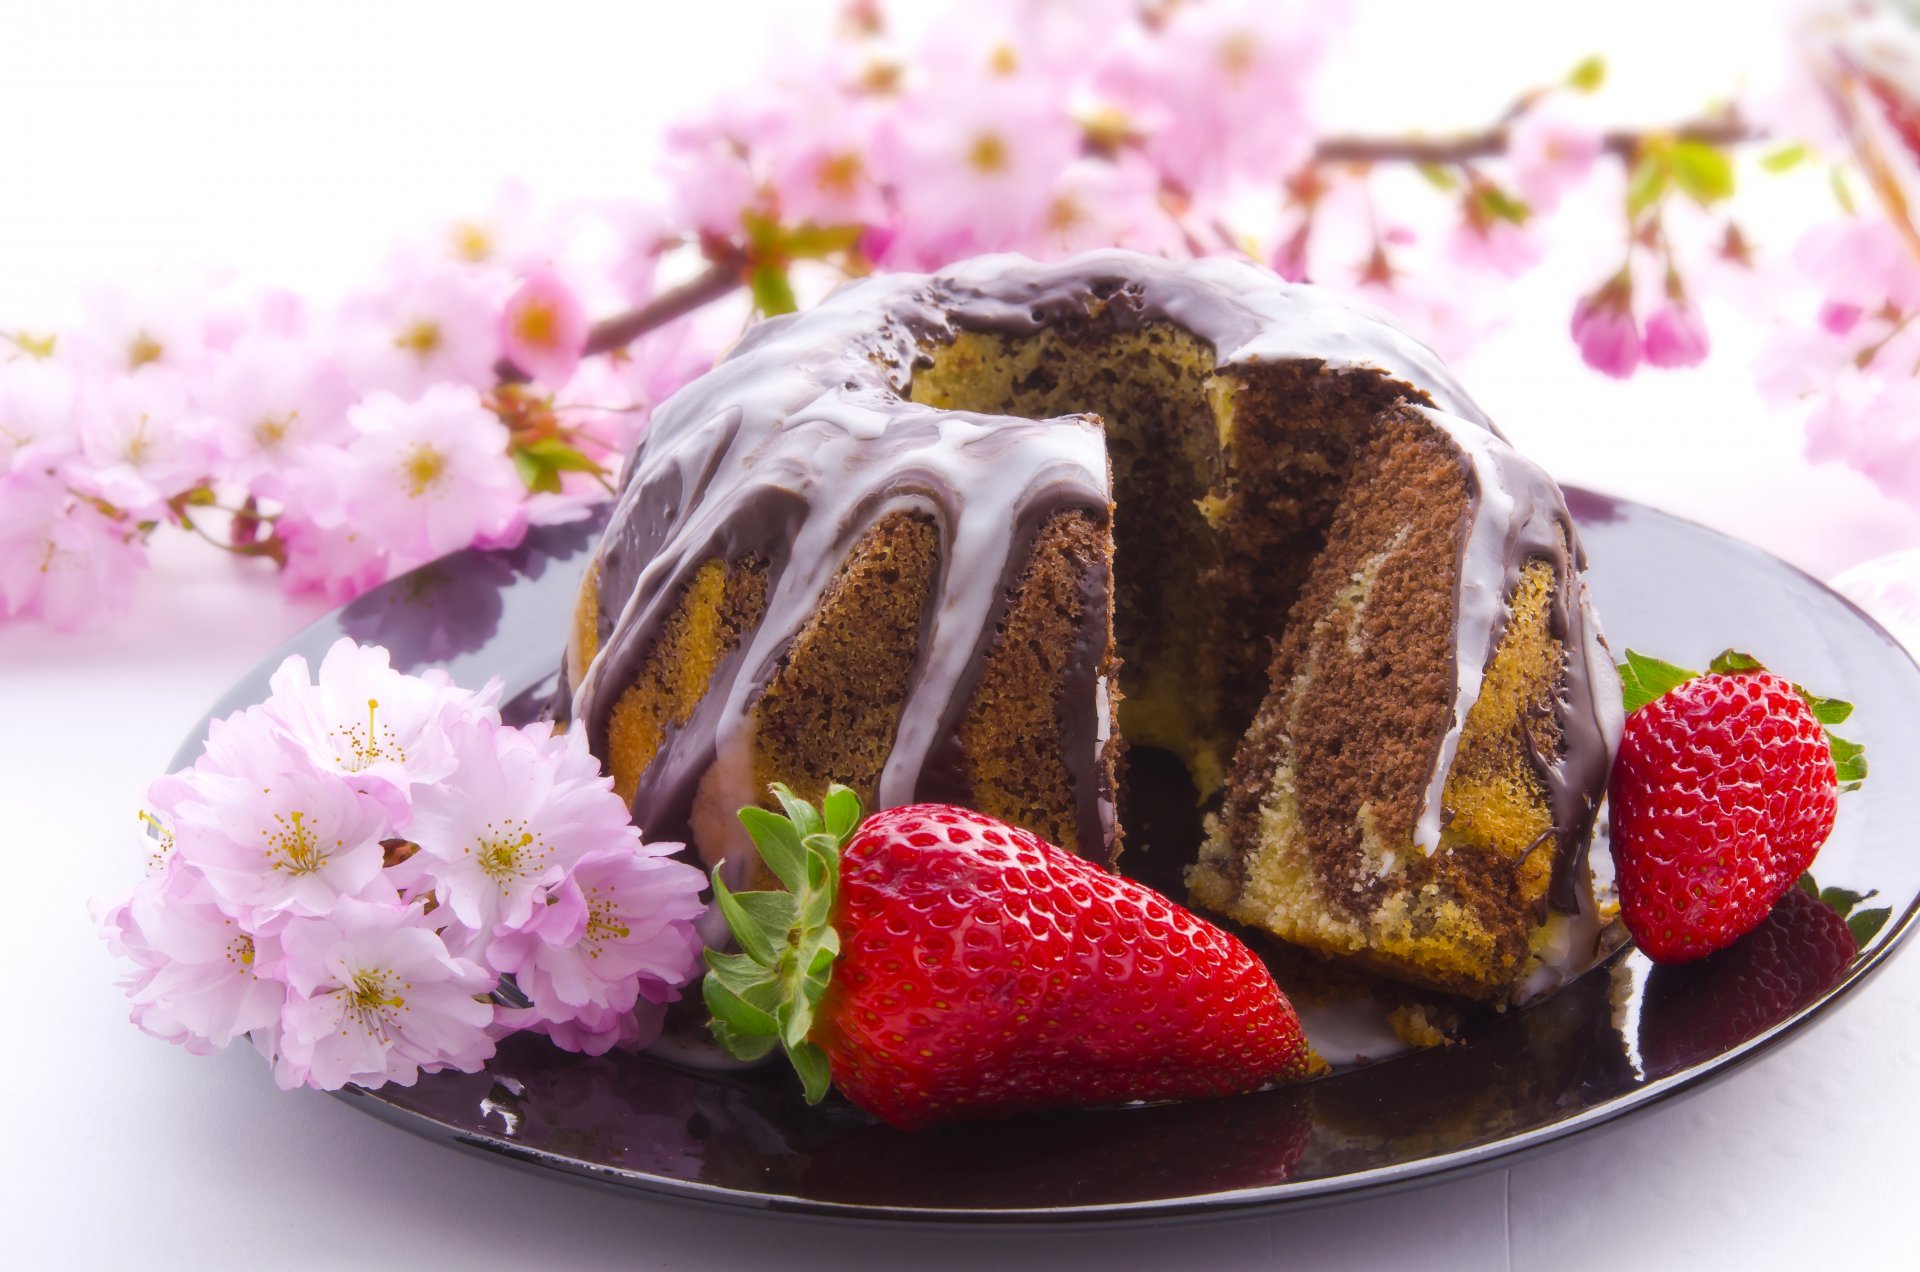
x=1643 y=679
x=811 y=1064
x=755 y=937
x=779 y=843
x=1842 y=900
x=1808 y=886
x=1867 y=924
x=1849 y=762
x=1732 y=660
x=770 y=994
x=1828 y=711
x=841 y=812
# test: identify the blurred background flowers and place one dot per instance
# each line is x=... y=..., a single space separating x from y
x=336 y=297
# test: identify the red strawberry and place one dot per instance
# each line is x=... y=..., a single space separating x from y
x=1797 y=953
x=936 y=964
x=1724 y=789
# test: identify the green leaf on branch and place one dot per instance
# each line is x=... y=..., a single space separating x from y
x=1642 y=679
x=1588 y=75
x=541 y=461
x=1647 y=184
x=1702 y=170
x=1785 y=158
x=1495 y=204
x=1437 y=175
x=812 y=241
x=1842 y=194
x=772 y=290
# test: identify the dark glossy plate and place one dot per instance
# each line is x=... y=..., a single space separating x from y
x=1618 y=1040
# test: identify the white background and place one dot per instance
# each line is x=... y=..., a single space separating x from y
x=294 y=143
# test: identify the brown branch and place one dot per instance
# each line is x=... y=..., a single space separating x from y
x=623 y=329
x=727 y=275
x=1623 y=143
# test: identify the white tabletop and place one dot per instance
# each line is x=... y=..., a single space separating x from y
x=121 y=1151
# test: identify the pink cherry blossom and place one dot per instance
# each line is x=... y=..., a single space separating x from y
x=158 y=325
x=1609 y=339
x=421 y=479
x=519 y=811
x=1550 y=153
x=39 y=406
x=543 y=328
x=272 y=832
x=1495 y=244
x=708 y=162
x=435 y=326
x=1876 y=430
x=1676 y=336
x=144 y=443
x=1222 y=89
x=1860 y=262
x=1097 y=203
x=377 y=998
x=826 y=168
x=62 y=560
x=619 y=929
x=197 y=980
x=270 y=399
x=390 y=732
x=336 y=560
x=974 y=172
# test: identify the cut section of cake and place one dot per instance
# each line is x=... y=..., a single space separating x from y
x=971 y=537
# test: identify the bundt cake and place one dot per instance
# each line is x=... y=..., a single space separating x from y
x=972 y=537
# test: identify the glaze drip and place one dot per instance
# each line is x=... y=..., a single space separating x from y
x=803 y=437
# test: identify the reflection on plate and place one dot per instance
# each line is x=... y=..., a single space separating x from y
x=1615 y=1041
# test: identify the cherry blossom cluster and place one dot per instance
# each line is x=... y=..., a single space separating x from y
x=496 y=371
x=446 y=406
x=373 y=877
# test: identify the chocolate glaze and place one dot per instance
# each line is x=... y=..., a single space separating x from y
x=802 y=437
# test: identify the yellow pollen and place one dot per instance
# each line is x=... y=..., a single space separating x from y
x=421 y=339
x=424 y=469
x=1237 y=53
x=294 y=848
x=139 y=446
x=840 y=173
x=604 y=923
x=373 y=999
x=273 y=430
x=989 y=153
x=538 y=325
x=881 y=78
x=143 y=349
x=240 y=951
x=1003 y=60
x=471 y=242
x=511 y=852
x=1064 y=214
